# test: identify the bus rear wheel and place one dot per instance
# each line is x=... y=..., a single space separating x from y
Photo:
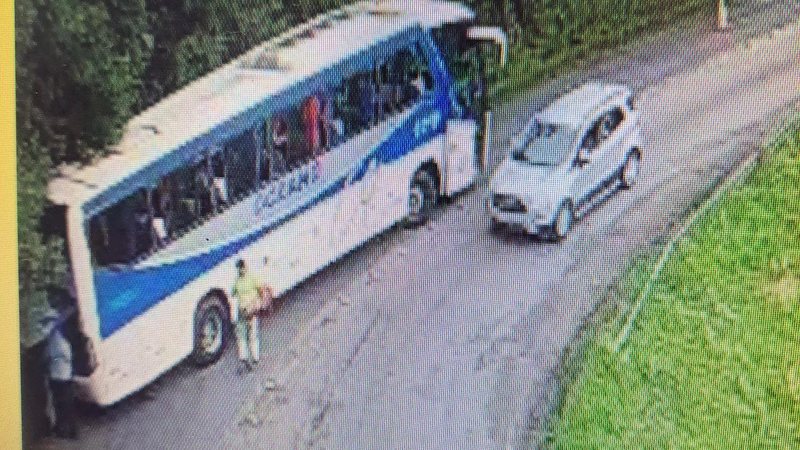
x=210 y=330
x=422 y=197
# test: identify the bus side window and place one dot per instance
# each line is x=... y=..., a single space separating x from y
x=425 y=75
x=220 y=175
x=365 y=99
x=264 y=153
x=342 y=118
x=311 y=111
x=99 y=239
x=297 y=148
x=186 y=204
x=385 y=91
x=277 y=132
x=123 y=232
x=143 y=232
x=237 y=179
x=203 y=183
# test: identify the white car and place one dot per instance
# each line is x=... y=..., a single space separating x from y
x=581 y=145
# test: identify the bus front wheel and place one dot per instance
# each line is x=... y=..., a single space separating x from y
x=210 y=330
x=422 y=197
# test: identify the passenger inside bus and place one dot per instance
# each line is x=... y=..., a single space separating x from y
x=203 y=186
x=366 y=95
x=311 y=122
x=161 y=204
x=325 y=120
x=142 y=238
x=211 y=186
x=219 y=192
x=154 y=217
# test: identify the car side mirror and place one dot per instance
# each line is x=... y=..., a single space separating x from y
x=580 y=160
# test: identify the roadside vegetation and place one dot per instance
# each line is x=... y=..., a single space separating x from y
x=713 y=360
x=84 y=67
x=551 y=39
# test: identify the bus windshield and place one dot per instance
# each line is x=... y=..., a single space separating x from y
x=463 y=60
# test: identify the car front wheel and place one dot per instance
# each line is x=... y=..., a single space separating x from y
x=630 y=169
x=562 y=224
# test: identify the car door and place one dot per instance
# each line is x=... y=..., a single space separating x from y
x=619 y=132
x=612 y=136
x=588 y=164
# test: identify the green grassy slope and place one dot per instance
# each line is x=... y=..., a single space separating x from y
x=714 y=358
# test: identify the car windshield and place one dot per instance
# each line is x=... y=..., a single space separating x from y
x=544 y=144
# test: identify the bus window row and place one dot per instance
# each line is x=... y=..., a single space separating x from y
x=152 y=217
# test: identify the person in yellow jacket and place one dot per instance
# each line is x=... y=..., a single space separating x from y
x=250 y=296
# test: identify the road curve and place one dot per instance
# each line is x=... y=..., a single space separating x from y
x=453 y=337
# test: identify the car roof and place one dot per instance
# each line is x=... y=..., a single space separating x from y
x=575 y=107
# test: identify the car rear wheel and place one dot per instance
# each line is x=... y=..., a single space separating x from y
x=630 y=169
x=562 y=224
x=210 y=330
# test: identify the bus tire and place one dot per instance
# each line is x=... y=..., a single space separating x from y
x=422 y=197
x=210 y=330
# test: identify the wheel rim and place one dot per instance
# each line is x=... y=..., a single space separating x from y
x=631 y=169
x=563 y=222
x=211 y=333
x=416 y=200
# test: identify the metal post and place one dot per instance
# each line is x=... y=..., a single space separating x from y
x=487 y=137
x=722 y=15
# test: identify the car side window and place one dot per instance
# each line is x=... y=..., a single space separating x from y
x=612 y=120
x=592 y=138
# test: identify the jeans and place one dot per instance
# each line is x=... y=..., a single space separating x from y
x=64 y=405
x=247 y=338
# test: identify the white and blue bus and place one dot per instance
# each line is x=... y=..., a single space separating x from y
x=296 y=152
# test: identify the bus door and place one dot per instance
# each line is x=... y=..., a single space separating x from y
x=465 y=95
x=470 y=121
x=460 y=153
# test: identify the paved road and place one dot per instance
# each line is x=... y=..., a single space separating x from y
x=448 y=336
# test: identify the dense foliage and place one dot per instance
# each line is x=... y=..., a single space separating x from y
x=84 y=67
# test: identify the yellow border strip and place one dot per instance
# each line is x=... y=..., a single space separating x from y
x=10 y=417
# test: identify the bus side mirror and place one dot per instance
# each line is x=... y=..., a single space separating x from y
x=581 y=159
x=492 y=34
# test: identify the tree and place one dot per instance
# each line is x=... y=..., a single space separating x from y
x=78 y=71
x=85 y=60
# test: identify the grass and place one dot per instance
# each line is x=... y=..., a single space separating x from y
x=592 y=27
x=714 y=358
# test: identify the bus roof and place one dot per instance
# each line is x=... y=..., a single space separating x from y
x=239 y=85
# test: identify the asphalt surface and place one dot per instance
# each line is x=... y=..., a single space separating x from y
x=450 y=336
